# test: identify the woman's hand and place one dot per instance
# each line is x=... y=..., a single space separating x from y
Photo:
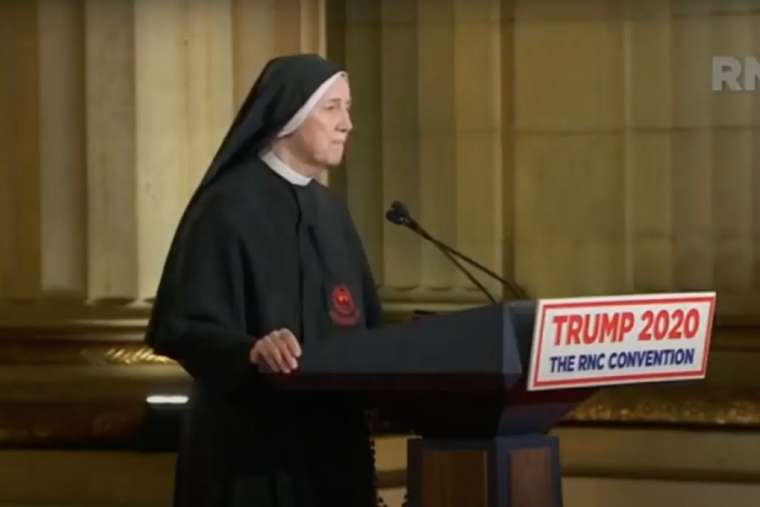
x=279 y=350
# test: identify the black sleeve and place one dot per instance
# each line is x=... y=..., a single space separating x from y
x=199 y=318
x=373 y=308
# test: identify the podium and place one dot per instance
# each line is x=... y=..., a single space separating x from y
x=458 y=381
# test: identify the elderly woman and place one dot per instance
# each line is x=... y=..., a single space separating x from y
x=264 y=260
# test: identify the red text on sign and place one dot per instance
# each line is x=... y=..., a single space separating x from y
x=672 y=325
x=588 y=329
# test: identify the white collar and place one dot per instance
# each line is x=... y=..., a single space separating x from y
x=278 y=166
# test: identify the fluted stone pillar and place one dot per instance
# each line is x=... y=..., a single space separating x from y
x=110 y=61
x=264 y=28
x=426 y=80
x=116 y=109
x=569 y=189
x=735 y=169
x=19 y=152
x=649 y=146
x=62 y=150
x=692 y=164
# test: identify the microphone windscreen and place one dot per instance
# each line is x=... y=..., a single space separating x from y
x=400 y=208
x=393 y=216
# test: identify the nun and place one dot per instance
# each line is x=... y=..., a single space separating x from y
x=265 y=259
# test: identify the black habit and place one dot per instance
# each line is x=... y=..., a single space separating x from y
x=254 y=253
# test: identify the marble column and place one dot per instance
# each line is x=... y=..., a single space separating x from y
x=115 y=110
x=427 y=85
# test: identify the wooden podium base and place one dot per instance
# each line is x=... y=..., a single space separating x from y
x=515 y=471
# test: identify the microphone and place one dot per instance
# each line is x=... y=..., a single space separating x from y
x=399 y=214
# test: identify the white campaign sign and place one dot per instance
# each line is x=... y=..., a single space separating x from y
x=584 y=342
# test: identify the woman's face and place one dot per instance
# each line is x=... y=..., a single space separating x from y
x=321 y=139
